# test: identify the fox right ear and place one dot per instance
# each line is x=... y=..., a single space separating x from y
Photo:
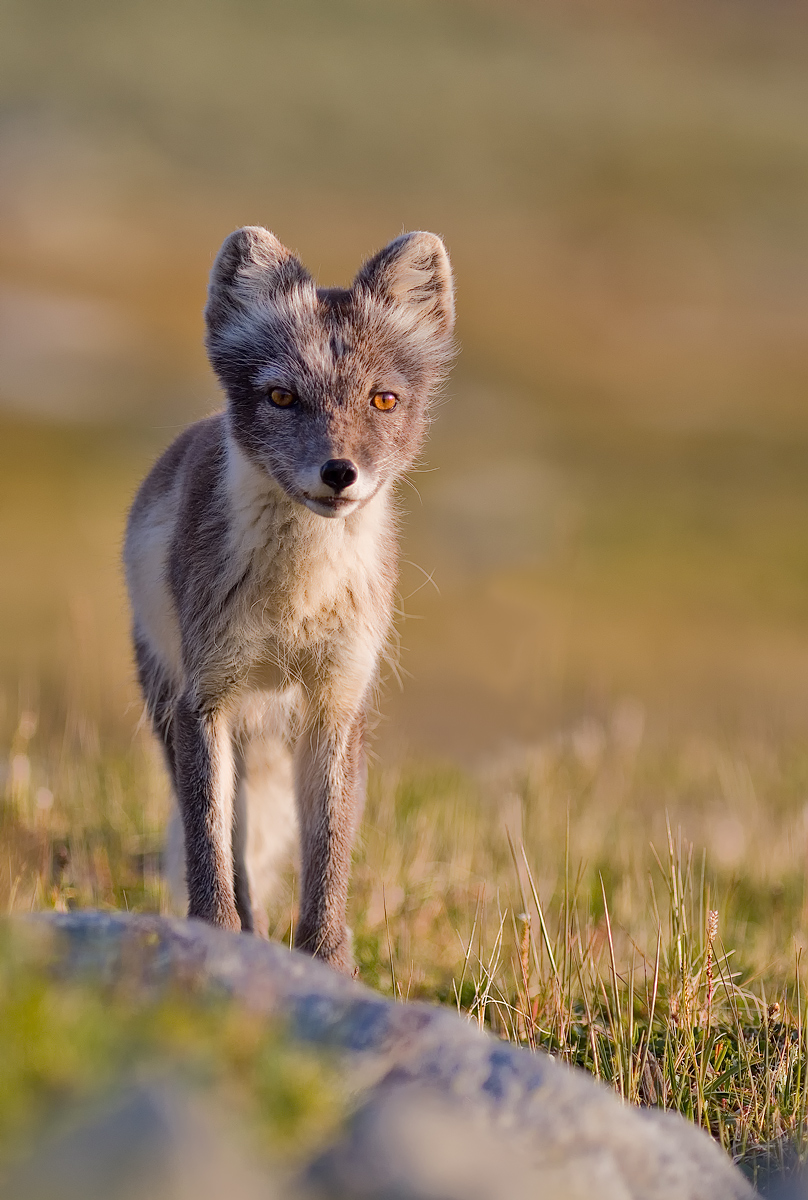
x=414 y=272
x=251 y=265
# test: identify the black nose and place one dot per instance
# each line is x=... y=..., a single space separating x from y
x=339 y=473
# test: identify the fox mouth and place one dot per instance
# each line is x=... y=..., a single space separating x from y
x=329 y=505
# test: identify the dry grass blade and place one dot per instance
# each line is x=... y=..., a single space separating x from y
x=535 y=893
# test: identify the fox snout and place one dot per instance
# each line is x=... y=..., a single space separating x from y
x=336 y=487
x=339 y=473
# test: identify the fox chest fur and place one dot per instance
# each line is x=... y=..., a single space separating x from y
x=266 y=594
x=307 y=596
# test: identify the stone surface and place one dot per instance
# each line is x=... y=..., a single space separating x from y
x=569 y=1139
x=152 y=1143
x=442 y=1110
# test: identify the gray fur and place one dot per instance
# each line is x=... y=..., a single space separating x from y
x=262 y=596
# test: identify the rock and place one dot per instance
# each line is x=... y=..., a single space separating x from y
x=415 y=1146
x=153 y=1143
x=443 y=1111
x=439 y=1138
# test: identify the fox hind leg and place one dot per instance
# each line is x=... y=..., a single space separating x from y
x=266 y=820
x=241 y=880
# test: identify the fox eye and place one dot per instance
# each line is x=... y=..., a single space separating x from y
x=281 y=398
x=384 y=401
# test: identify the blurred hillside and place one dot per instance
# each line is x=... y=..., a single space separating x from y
x=621 y=505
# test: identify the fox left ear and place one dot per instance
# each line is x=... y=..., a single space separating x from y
x=251 y=265
x=414 y=271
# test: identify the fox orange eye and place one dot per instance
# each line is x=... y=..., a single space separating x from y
x=281 y=398
x=384 y=401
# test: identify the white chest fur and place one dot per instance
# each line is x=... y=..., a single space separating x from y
x=310 y=578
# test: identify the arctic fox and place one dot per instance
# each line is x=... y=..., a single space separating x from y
x=261 y=559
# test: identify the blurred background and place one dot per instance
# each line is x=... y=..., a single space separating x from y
x=614 y=510
x=608 y=544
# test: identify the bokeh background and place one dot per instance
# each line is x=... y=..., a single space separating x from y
x=606 y=554
x=615 y=507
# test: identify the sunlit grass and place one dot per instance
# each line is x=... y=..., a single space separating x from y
x=635 y=909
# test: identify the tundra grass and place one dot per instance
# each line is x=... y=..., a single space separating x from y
x=637 y=910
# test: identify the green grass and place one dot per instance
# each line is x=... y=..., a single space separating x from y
x=550 y=899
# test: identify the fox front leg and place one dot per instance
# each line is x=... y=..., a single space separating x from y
x=330 y=769
x=205 y=782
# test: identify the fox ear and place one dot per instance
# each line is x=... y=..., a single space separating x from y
x=251 y=265
x=414 y=271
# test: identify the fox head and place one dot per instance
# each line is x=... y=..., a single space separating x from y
x=329 y=388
